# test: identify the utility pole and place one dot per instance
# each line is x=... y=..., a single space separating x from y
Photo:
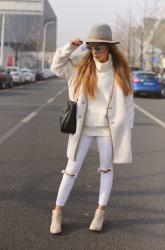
x=129 y=39
x=44 y=42
x=142 y=46
x=2 y=38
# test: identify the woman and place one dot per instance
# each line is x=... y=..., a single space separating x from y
x=100 y=83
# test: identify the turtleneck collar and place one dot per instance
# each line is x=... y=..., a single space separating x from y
x=103 y=66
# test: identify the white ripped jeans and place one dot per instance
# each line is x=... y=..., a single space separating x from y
x=73 y=167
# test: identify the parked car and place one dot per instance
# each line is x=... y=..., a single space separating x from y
x=38 y=74
x=147 y=83
x=5 y=78
x=16 y=74
x=29 y=75
x=47 y=73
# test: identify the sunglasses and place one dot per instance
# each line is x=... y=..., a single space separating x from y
x=97 y=48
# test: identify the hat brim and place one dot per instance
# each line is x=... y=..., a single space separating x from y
x=101 y=41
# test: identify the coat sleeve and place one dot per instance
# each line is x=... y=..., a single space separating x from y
x=130 y=109
x=61 y=65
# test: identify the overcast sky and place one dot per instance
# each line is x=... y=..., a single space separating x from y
x=76 y=17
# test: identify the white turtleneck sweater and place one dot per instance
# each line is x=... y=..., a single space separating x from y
x=96 y=122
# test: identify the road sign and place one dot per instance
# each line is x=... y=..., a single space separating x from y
x=23 y=7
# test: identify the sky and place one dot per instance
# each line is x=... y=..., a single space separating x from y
x=75 y=17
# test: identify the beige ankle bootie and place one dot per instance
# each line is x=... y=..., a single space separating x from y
x=97 y=221
x=55 y=227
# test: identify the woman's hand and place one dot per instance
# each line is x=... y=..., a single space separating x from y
x=76 y=42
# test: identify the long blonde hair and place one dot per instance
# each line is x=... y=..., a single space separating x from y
x=86 y=73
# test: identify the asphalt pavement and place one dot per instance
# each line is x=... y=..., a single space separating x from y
x=32 y=155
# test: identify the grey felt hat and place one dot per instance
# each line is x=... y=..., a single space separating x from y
x=101 y=32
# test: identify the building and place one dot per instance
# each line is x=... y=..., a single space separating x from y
x=151 y=37
x=156 y=28
x=23 y=36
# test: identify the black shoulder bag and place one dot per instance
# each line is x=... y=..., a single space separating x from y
x=68 y=118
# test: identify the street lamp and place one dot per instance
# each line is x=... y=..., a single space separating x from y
x=44 y=42
x=2 y=38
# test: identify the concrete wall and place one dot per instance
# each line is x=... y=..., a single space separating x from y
x=26 y=31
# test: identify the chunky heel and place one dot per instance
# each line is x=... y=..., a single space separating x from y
x=97 y=221
x=55 y=227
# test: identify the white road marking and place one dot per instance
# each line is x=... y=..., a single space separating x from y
x=29 y=117
x=26 y=119
x=52 y=99
x=10 y=132
x=157 y=120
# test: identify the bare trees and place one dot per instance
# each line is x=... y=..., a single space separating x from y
x=23 y=35
x=138 y=39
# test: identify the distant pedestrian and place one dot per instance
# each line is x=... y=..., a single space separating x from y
x=100 y=83
x=163 y=75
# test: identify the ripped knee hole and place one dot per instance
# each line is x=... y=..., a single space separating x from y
x=104 y=170
x=71 y=175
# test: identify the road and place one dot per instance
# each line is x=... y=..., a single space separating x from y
x=32 y=154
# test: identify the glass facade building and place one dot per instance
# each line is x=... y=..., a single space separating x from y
x=24 y=32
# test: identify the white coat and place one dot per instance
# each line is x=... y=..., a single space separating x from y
x=120 y=110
